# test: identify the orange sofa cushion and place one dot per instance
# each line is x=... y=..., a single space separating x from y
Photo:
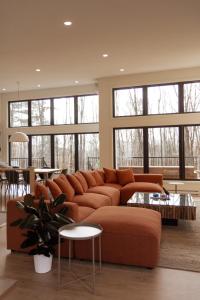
x=82 y=180
x=130 y=236
x=76 y=184
x=65 y=187
x=128 y=190
x=110 y=175
x=98 y=178
x=41 y=190
x=92 y=200
x=114 y=185
x=89 y=178
x=54 y=188
x=111 y=192
x=125 y=176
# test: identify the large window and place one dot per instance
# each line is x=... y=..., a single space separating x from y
x=162 y=99
x=19 y=155
x=41 y=149
x=88 y=109
x=192 y=152
x=18 y=114
x=40 y=112
x=64 y=110
x=64 y=152
x=192 y=97
x=88 y=151
x=129 y=149
x=128 y=102
x=54 y=111
x=163 y=144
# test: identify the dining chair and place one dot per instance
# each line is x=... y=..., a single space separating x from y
x=13 y=181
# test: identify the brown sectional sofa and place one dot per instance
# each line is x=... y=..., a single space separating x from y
x=131 y=235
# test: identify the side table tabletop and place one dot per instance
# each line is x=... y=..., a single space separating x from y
x=80 y=231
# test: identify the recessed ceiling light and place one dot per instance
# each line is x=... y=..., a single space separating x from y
x=3 y=89
x=38 y=85
x=76 y=81
x=122 y=70
x=67 y=23
x=37 y=70
x=105 y=55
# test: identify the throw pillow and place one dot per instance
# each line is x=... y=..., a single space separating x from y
x=110 y=175
x=125 y=176
x=82 y=180
x=41 y=190
x=89 y=178
x=65 y=186
x=54 y=188
x=76 y=184
x=98 y=178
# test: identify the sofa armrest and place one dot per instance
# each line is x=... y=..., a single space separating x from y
x=154 y=178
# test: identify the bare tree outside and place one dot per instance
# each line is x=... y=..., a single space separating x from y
x=88 y=109
x=19 y=114
x=64 y=110
x=40 y=112
x=128 y=102
x=65 y=152
x=88 y=151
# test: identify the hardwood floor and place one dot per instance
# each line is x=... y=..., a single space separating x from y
x=115 y=282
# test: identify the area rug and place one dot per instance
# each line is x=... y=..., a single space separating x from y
x=2 y=219
x=180 y=245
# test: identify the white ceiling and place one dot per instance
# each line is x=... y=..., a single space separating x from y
x=139 y=36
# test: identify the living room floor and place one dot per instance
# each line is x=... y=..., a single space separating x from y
x=115 y=282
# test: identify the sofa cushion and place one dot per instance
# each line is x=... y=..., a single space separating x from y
x=75 y=184
x=92 y=200
x=125 y=176
x=128 y=190
x=65 y=187
x=114 y=185
x=98 y=177
x=82 y=180
x=84 y=212
x=111 y=192
x=89 y=178
x=110 y=175
x=54 y=188
x=101 y=173
x=41 y=190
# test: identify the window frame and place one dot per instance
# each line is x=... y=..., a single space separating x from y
x=145 y=98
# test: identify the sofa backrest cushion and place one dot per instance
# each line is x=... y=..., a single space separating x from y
x=101 y=173
x=89 y=178
x=76 y=184
x=82 y=180
x=54 y=188
x=41 y=190
x=125 y=176
x=65 y=186
x=98 y=178
x=110 y=175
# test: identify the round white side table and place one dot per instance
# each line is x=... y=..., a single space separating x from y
x=80 y=231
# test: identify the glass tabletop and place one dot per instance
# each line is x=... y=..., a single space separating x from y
x=162 y=199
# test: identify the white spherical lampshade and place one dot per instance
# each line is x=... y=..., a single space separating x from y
x=19 y=137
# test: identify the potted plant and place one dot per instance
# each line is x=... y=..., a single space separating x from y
x=42 y=222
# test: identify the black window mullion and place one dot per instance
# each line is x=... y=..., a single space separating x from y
x=29 y=114
x=114 y=148
x=52 y=151
x=145 y=102
x=181 y=153
x=76 y=110
x=76 y=152
x=30 y=151
x=145 y=150
x=51 y=111
x=180 y=98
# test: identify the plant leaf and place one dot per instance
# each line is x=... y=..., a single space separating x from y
x=59 y=200
x=16 y=222
x=28 y=199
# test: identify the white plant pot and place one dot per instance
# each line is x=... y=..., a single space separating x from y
x=42 y=263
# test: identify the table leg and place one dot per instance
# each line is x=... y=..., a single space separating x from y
x=175 y=188
x=93 y=265
x=69 y=260
x=59 y=275
x=100 y=253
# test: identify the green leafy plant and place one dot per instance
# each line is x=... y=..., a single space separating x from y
x=42 y=222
